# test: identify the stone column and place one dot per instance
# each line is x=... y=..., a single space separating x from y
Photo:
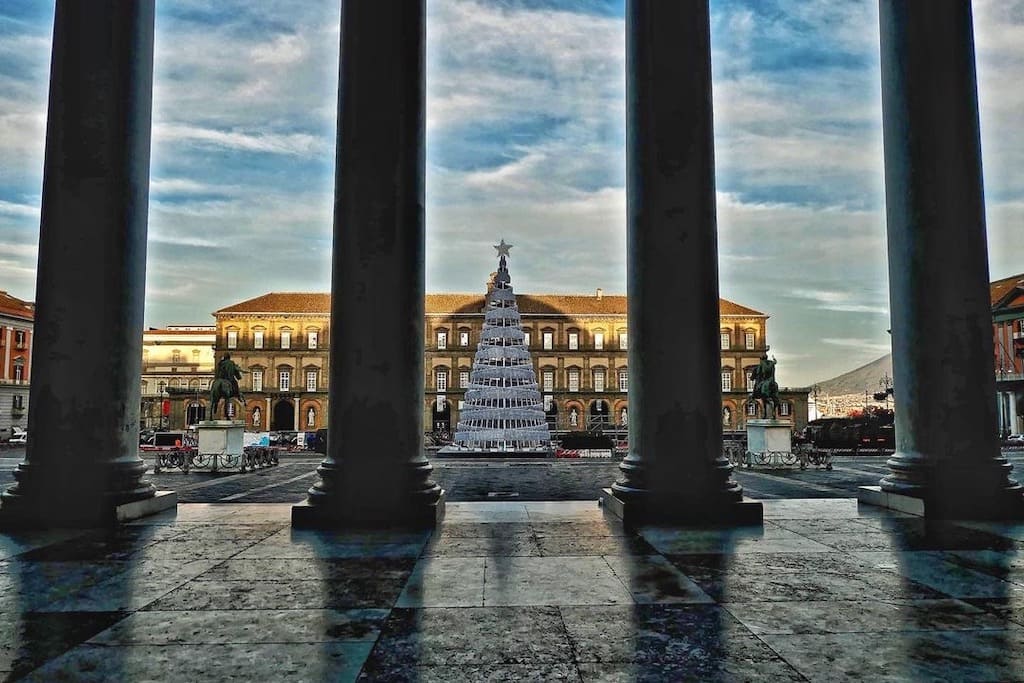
x=82 y=461
x=947 y=449
x=675 y=470
x=375 y=471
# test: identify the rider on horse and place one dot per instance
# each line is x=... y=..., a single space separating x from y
x=765 y=386
x=228 y=373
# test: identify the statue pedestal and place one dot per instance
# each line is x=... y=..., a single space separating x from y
x=220 y=442
x=774 y=436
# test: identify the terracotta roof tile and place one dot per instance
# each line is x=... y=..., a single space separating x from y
x=14 y=306
x=1001 y=288
x=320 y=303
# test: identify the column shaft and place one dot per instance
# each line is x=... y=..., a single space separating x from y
x=675 y=461
x=947 y=450
x=82 y=456
x=375 y=470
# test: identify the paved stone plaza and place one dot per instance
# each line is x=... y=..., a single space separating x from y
x=522 y=480
x=827 y=591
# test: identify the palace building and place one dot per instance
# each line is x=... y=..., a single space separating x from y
x=578 y=343
x=177 y=366
x=16 y=319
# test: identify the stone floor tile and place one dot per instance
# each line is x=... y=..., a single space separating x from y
x=653 y=579
x=855 y=616
x=449 y=529
x=552 y=581
x=27 y=640
x=523 y=545
x=932 y=570
x=137 y=585
x=225 y=532
x=298 y=569
x=700 y=642
x=14 y=543
x=484 y=516
x=803 y=526
x=380 y=589
x=606 y=526
x=245 y=626
x=769 y=539
x=732 y=669
x=552 y=546
x=471 y=636
x=729 y=585
x=188 y=550
x=983 y=655
x=329 y=550
x=811 y=508
x=340 y=661
x=489 y=673
x=445 y=582
x=38 y=584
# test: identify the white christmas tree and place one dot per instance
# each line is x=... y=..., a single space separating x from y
x=503 y=409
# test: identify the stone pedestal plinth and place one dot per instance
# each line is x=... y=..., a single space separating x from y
x=221 y=441
x=774 y=436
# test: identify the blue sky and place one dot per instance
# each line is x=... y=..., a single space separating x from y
x=525 y=135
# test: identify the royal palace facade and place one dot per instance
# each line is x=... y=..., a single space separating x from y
x=579 y=345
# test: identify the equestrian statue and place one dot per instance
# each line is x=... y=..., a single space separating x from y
x=765 y=386
x=225 y=385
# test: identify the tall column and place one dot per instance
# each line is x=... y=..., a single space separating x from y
x=82 y=459
x=947 y=449
x=675 y=469
x=375 y=471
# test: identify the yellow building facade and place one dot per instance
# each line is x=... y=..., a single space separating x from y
x=579 y=345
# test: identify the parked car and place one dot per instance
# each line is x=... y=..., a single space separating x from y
x=19 y=439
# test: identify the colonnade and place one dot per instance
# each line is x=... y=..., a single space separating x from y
x=82 y=464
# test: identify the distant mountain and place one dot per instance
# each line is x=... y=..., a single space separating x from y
x=864 y=378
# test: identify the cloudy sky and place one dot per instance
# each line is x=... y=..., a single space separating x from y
x=525 y=136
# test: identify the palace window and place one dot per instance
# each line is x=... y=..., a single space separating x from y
x=195 y=355
x=750 y=380
x=19 y=338
x=311 y=339
x=752 y=408
x=599 y=341
x=463 y=338
x=286 y=339
x=442 y=340
x=726 y=341
x=175 y=356
x=311 y=380
x=726 y=380
x=285 y=380
x=232 y=339
x=526 y=339
x=442 y=380
x=623 y=380
x=574 y=379
x=549 y=380
x=18 y=402
x=257 y=380
x=623 y=340
x=257 y=339
x=784 y=409
x=549 y=340
x=464 y=380
x=749 y=339
x=574 y=341
x=598 y=380
x=19 y=372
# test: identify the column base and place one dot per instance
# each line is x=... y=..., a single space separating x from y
x=339 y=515
x=639 y=510
x=1007 y=505
x=55 y=515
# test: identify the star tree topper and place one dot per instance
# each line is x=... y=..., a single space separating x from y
x=503 y=249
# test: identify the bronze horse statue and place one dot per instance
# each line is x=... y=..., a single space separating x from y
x=225 y=386
x=765 y=387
